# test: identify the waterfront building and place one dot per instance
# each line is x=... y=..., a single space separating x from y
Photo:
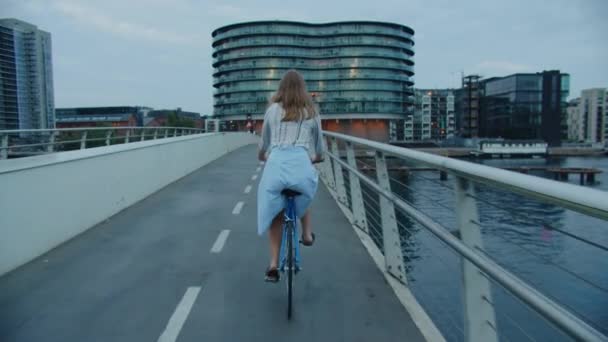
x=360 y=73
x=26 y=76
x=433 y=115
x=576 y=131
x=593 y=110
x=467 y=106
x=117 y=116
x=525 y=106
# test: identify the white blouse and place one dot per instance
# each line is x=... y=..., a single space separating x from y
x=304 y=133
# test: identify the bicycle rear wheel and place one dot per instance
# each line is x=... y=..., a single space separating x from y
x=290 y=269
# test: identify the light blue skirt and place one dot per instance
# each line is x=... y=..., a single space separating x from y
x=286 y=168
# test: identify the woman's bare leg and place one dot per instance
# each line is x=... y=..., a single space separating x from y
x=306 y=228
x=275 y=240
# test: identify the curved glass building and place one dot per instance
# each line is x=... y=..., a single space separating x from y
x=359 y=72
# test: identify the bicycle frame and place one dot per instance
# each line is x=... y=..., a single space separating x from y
x=290 y=216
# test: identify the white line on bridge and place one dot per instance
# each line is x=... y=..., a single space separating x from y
x=254 y=177
x=180 y=315
x=247 y=189
x=238 y=207
x=221 y=240
x=258 y=169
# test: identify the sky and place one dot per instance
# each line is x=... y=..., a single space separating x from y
x=157 y=53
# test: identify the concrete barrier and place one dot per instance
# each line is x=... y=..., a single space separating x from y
x=47 y=200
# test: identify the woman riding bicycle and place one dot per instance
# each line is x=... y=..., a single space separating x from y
x=291 y=142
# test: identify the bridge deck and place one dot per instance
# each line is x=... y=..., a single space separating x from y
x=123 y=279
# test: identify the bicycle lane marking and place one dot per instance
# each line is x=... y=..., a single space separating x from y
x=238 y=207
x=221 y=240
x=177 y=320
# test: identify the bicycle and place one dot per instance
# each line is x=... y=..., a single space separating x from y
x=290 y=250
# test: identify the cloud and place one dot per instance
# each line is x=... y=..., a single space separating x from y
x=129 y=30
x=496 y=67
x=242 y=12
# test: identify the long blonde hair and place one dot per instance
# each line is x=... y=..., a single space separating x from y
x=294 y=98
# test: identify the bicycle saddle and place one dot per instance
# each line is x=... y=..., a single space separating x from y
x=290 y=193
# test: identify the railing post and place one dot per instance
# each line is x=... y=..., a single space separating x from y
x=108 y=136
x=51 y=146
x=480 y=319
x=166 y=133
x=338 y=175
x=393 y=255
x=127 y=136
x=328 y=172
x=4 y=146
x=175 y=132
x=325 y=168
x=143 y=134
x=356 y=196
x=83 y=140
x=155 y=133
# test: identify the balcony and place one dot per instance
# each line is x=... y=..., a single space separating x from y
x=311 y=31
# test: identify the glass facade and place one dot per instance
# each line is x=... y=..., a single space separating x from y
x=353 y=68
x=26 y=77
x=525 y=106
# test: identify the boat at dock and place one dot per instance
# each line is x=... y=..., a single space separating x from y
x=510 y=149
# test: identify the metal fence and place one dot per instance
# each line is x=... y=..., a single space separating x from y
x=378 y=211
x=28 y=142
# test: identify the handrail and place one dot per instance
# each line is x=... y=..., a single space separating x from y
x=584 y=200
x=548 y=308
x=78 y=129
x=23 y=142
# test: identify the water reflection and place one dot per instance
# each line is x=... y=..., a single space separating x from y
x=519 y=233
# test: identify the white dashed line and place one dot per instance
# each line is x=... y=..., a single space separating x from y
x=254 y=177
x=237 y=208
x=221 y=240
x=247 y=189
x=180 y=315
x=258 y=169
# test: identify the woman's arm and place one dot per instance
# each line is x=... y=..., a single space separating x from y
x=317 y=136
x=266 y=136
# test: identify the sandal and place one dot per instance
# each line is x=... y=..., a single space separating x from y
x=308 y=243
x=272 y=275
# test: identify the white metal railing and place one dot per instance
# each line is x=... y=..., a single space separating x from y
x=27 y=142
x=477 y=267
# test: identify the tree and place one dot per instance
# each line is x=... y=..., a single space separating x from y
x=174 y=120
